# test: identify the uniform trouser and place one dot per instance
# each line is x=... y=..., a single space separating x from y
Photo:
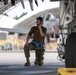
x=39 y=53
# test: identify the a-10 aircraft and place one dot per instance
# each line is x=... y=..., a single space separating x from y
x=49 y=21
x=25 y=31
x=49 y=24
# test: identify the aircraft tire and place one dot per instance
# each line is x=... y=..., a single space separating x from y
x=70 y=51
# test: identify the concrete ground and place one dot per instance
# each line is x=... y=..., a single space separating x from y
x=12 y=63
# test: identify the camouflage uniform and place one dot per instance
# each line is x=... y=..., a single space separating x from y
x=39 y=52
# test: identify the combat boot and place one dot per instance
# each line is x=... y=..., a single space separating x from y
x=27 y=64
x=40 y=63
x=36 y=61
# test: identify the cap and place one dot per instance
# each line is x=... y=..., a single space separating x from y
x=40 y=18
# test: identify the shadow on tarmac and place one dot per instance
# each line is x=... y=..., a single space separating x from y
x=19 y=69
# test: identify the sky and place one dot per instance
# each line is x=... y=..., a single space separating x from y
x=17 y=10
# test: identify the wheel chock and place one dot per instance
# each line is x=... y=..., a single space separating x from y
x=66 y=71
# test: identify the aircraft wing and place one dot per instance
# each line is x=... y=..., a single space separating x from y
x=20 y=31
x=13 y=30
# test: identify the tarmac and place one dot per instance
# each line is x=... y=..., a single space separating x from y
x=12 y=63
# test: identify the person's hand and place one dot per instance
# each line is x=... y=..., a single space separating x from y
x=39 y=26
